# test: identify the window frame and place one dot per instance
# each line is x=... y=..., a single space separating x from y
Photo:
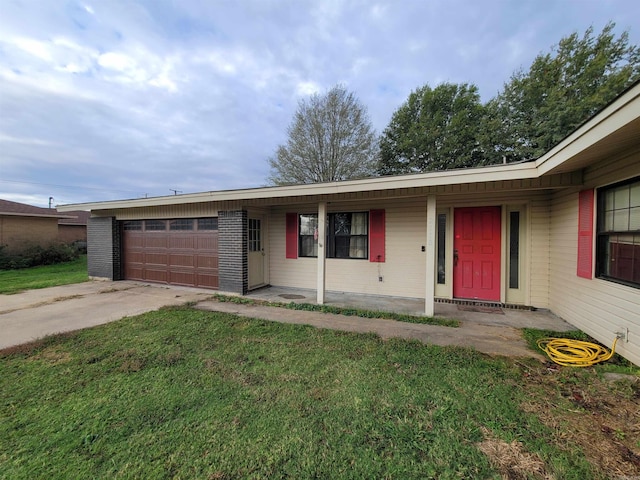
x=604 y=233
x=254 y=237
x=207 y=224
x=181 y=225
x=303 y=239
x=153 y=225
x=332 y=236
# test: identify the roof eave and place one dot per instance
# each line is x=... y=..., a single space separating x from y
x=38 y=215
x=450 y=177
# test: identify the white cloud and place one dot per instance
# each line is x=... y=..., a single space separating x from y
x=307 y=88
x=26 y=141
x=36 y=48
x=116 y=61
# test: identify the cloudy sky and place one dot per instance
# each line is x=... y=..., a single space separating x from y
x=112 y=99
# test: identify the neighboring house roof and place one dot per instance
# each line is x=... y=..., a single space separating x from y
x=24 y=210
x=612 y=130
x=75 y=217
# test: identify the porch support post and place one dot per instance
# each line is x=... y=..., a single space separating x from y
x=322 y=236
x=430 y=268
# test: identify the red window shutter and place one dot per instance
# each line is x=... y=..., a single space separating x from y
x=585 y=233
x=292 y=235
x=376 y=236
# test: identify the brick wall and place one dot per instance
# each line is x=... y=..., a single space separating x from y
x=232 y=251
x=72 y=233
x=19 y=232
x=103 y=248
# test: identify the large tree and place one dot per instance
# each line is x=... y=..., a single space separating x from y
x=561 y=90
x=435 y=129
x=330 y=138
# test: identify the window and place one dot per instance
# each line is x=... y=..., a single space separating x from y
x=132 y=225
x=208 y=223
x=181 y=224
x=255 y=240
x=348 y=235
x=618 y=233
x=514 y=249
x=308 y=235
x=441 y=248
x=155 y=225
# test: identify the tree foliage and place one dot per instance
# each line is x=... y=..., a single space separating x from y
x=330 y=139
x=435 y=129
x=448 y=127
x=560 y=91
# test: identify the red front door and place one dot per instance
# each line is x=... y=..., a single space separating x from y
x=476 y=255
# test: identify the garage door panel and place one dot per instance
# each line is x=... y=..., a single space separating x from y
x=135 y=257
x=207 y=281
x=182 y=278
x=155 y=240
x=151 y=258
x=181 y=242
x=134 y=273
x=187 y=258
x=206 y=261
x=155 y=275
x=181 y=260
x=207 y=242
x=135 y=240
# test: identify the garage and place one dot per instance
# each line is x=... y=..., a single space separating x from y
x=181 y=251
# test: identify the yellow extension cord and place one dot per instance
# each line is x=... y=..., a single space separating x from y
x=575 y=353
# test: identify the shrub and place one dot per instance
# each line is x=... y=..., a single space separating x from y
x=37 y=255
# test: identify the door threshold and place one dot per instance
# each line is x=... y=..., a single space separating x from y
x=483 y=303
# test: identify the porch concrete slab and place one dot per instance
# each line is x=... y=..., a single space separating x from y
x=540 y=319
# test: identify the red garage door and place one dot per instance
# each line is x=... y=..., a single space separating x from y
x=178 y=252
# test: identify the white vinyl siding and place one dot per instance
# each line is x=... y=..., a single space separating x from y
x=598 y=307
x=402 y=273
x=539 y=257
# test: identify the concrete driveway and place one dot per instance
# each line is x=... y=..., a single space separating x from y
x=36 y=313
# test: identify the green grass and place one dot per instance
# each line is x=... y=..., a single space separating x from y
x=182 y=393
x=349 y=311
x=13 y=281
x=616 y=364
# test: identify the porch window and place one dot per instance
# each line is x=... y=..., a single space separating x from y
x=618 y=233
x=348 y=235
x=308 y=235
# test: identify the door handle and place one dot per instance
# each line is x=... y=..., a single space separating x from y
x=455 y=257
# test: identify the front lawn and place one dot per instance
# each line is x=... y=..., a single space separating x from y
x=13 y=281
x=183 y=393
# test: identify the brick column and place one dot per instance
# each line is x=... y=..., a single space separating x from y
x=232 y=251
x=103 y=248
